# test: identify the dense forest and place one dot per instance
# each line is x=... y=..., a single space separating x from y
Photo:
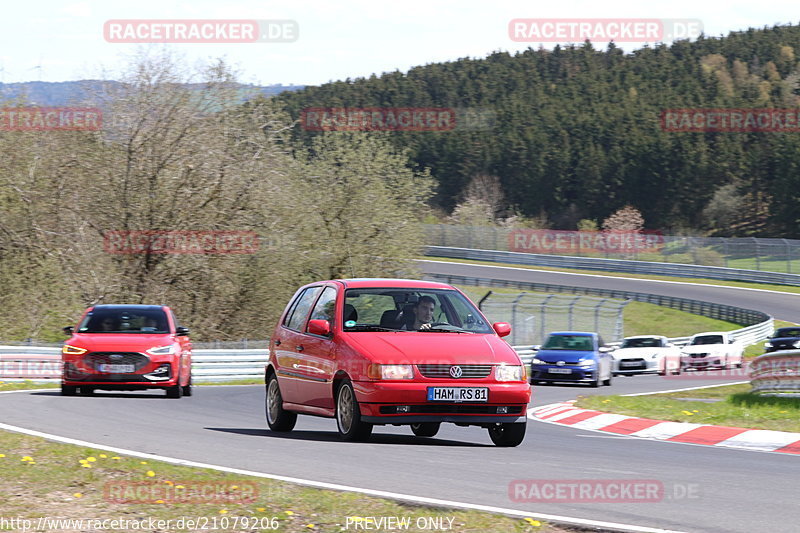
x=577 y=131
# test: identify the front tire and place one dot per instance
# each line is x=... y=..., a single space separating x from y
x=68 y=390
x=508 y=435
x=426 y=429
x=187 y=389
x=278 y=419
x=348 y=415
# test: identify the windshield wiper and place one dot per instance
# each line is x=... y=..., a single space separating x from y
x=446 y=329
x=369 y=327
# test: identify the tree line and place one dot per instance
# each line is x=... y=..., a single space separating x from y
x=577 y=131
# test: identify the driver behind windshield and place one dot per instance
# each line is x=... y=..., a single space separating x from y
x=423 y=314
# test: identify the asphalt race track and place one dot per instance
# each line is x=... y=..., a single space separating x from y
x=706 y=489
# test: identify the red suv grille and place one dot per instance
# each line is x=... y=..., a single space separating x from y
x=95 y=359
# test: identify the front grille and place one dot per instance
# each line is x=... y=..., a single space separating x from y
x=443 y=371
x=632 y=364
x=95 y=359
x=451 y=408
x=698 y=354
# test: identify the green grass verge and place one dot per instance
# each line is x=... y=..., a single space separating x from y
x=734 y=405
x=40 y=478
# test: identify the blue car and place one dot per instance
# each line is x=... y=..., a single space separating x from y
x=572 y=356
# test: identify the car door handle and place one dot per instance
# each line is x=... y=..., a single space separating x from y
x=299 y=348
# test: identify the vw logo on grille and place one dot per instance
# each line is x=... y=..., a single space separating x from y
x=456 y=371
x=560 y=363
x=116 y=356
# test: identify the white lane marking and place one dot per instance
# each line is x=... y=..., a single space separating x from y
x=335 y=486
x=665 y=430
x=761 y=439
x=688 y=388
x=612 y=277
x=600 y=421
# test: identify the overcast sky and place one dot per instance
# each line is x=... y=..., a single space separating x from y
x=58 y=41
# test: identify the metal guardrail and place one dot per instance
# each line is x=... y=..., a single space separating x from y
x=43 y=363
x=776 y=372
x=615 y=265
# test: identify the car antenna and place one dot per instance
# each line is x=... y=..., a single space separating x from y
x=350 y=257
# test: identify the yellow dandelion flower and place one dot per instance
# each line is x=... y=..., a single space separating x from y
x=168 y=482
x=159 y=501
x=310 y=526
x=83 y=462
x=289 y=513
x=91 y=459
x=150 y=473
x=103 y=456
x=2 y=455
x=27 y=458
x=534 y=523
x=223 y=511
x=687 y=413
x=695 y=411
x=179 y=487
x=234 y=487
x=115 y=458
x=78 y=495
x=261 y=509
x=86 y=465
x=142 y=462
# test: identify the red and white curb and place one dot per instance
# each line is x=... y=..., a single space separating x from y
x=566 y=414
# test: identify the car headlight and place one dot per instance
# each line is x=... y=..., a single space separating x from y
x=535 y=361
x=162 y=350
x=509 y=373
x=391 y=371
x=72 y=350
x=586 y=362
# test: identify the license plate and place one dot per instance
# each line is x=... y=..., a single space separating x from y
x=116 y=369
x=559 y=370
x=458 y=394
x=630 y=363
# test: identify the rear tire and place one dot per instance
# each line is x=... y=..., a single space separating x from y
x=348 y=415
x=278 y=419
x=426 y=429
x=68 y=390
x=508 y=435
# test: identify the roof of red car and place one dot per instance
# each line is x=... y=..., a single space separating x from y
x=359 y=283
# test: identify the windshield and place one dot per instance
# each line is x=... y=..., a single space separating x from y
x=124 y=320
x=569 y=342
x=641 y=343
x=435 y=310
x=707 y=339
x=787 y=332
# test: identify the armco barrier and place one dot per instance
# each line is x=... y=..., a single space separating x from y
x=776 y=372
x=615 y=265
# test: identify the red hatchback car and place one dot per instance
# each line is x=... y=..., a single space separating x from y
x=389 y=351
x=127 y=347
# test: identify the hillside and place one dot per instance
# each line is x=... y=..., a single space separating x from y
x=577 y=131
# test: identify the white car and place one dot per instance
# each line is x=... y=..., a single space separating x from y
x=713 y=349
x=646 y=354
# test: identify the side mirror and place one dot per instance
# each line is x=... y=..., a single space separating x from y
x=181 y=331
x=502 y=329
x=319 y=327
x=605 y=349
x=68 y=330
x=536 y=347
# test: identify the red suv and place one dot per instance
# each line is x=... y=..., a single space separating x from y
x=127 y=347
x=386 y=351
